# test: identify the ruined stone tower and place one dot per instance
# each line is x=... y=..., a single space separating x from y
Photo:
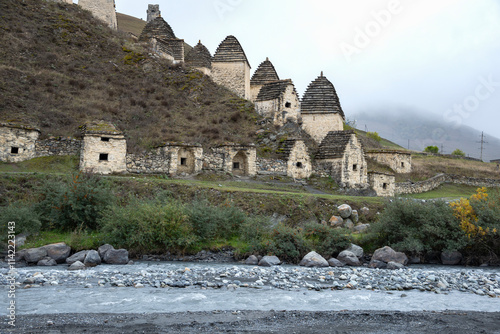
x=200 y=58
x=153 y=12
x=103 y=10
x=230 y=67
x=320 y=109
x=264 y=74
x=161 y=35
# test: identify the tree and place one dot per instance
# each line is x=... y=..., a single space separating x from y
x=458 y=152
x=431 y=149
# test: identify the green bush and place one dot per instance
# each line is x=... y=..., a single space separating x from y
x=212 y=222
x=26 y=218
x=254 y=231
x=287 y=243
x=414 y=227
x=432 y=149
x=326 y=240
x=374 y=135
x=458 y=152
x=148 y=227
x=74 y=204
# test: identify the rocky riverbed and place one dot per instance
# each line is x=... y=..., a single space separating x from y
x=181 y=275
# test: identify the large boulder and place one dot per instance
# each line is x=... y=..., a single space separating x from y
x=103 y=250
x=387 y=254
x=313 y=259
x=345 y=211
x=252 y=260
x=355 y=216
x=333 y=262
x=116 y=256
x=269 y=261
x=336 y=221
x=77 y=266
x=361 y=228
x=451 y=258
x=59 y=252
x=349 y=258
x=33 y=255
x=357 y=250
x=348 y=224
x=394 y=265
x=79 y=256
x=92 y=259
x=377 y=264
x=46 y=262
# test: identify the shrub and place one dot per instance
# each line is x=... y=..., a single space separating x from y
x=74 y=204
x=287 y=243
x=326 y=240
x=26 y=218
x=479 y=219
x=374 y=135
x=212 y=222
x=432 y=149
x=148 y=226
x=254 y=231
x=458 y=152
x=415 y=227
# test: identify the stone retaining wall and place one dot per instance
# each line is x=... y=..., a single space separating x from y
x=434 y=182
x=271 y=166
x=150 y=163
x=62 y=146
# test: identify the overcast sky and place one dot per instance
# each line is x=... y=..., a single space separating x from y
x=440 y=57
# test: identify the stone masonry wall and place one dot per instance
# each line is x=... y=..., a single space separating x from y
x=354 y=166
x=104 y=10
x=235 y=76
x=104 y=156
x=156 y=162
x=62 y=146
x=383 y=184
x=299 y=165
x=398 y=161
x=17 y=144
x=318 y=125
x=286 y=108
x=434 y=182
x=271 y=167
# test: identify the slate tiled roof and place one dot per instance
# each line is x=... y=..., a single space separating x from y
x=230 y=50
x=265 y=73
x=157 y=28
x=199 y=56
x=321 y=97
x=334 y=145
x=273 y=90
x=100 y=127
x=286 y=148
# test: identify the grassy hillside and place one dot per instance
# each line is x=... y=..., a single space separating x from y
x=130 y=24
x=60 y=68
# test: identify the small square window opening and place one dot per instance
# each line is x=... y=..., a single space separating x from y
x=14 y=150
x=103 y=157
x=236 y=165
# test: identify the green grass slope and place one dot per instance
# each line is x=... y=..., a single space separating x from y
x=60 y=68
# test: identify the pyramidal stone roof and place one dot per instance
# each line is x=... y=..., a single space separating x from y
x=287 y=148
x=334 y=144
x=273 y=90
x=321 y=98
x=230 y=50
x=199 y=56
x=265 y=73
x=157 y=28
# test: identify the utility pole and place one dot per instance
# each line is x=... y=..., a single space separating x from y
x=442 y=149
x=482 y=144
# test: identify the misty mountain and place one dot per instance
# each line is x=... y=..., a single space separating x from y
x=422 y=129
